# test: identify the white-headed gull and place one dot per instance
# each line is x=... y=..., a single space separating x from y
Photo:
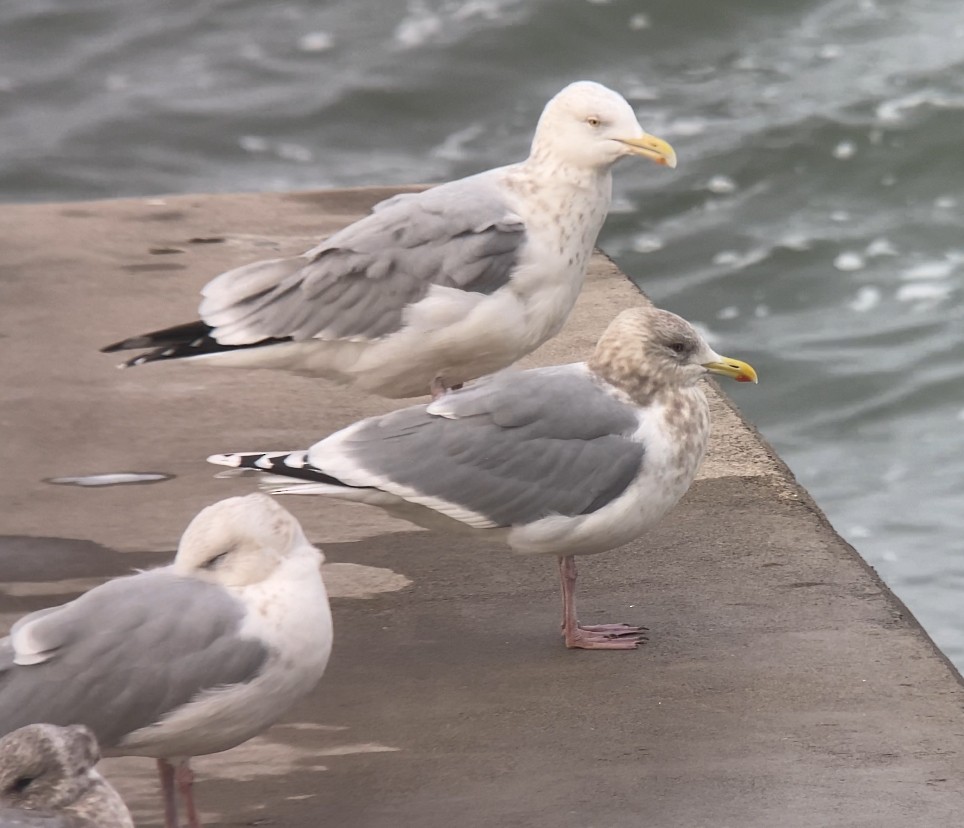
x=184 y=660
x=436 y=288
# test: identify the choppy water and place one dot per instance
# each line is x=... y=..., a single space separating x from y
x=813 y=226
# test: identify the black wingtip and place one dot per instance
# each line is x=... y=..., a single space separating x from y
x=165 y=337
x=128 y=344
x=179 y=342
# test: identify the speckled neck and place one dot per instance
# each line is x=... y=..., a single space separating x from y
x=568 y=203
x=544 y=166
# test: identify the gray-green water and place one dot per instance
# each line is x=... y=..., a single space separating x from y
x=813 y=226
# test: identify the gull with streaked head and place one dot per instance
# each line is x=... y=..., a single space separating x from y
x=48 y=779
x=569 y=460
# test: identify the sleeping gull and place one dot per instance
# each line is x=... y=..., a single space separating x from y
x=185 y=660
x=47 y=778
x=573 y=459
x=436 y=288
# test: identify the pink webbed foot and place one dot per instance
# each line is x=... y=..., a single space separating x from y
x=604 y=637
x=591 y=636
x=616 y=630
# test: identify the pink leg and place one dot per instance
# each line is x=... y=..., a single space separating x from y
x=185 y=784
x=593 y=637
x=166 y=772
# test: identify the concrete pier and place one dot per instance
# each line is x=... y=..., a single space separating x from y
x=783 y=685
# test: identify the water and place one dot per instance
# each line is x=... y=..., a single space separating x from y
x=813 y=225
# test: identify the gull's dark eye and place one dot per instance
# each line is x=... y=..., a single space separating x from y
x=21 y=784
x=213 y=562
x=593 y=121
x=677 y=347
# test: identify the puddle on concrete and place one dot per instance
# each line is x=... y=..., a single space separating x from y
x=136 y=778
x=115 y=479
x=58 y=564
x=32 y=589
x=348 y=580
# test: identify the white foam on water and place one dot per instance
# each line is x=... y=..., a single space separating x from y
x=848 y=260
x=867 y=298
x=316 y=42
x=880 y=247
x=933 y=269
x=896 y=110
x=845 y=150
x=795 y=241
x=737 y=261
x=926 y=293
x=254 y=143
x=647 y=243
x=622 y=204
x=686 y=126
x=294 y=152
x=721 y=184
x=638 y=22
x=421 y=26
x=454 y=147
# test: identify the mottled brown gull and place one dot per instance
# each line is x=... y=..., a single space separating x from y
x=569 y=460
x=185 y=660
x=47 y=778
x=433 y=288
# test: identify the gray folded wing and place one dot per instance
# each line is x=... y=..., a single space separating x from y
x=358 y=283
x=125 y=654
x=515 y=448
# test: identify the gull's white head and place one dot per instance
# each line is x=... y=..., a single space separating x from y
x=45 y=767
x=587 y=125
x=241 y=541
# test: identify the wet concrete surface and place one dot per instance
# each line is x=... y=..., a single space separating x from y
x=783 y=685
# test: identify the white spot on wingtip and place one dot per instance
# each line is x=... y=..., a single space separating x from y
x=224 y=460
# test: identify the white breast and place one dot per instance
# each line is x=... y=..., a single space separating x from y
x=669 y=467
